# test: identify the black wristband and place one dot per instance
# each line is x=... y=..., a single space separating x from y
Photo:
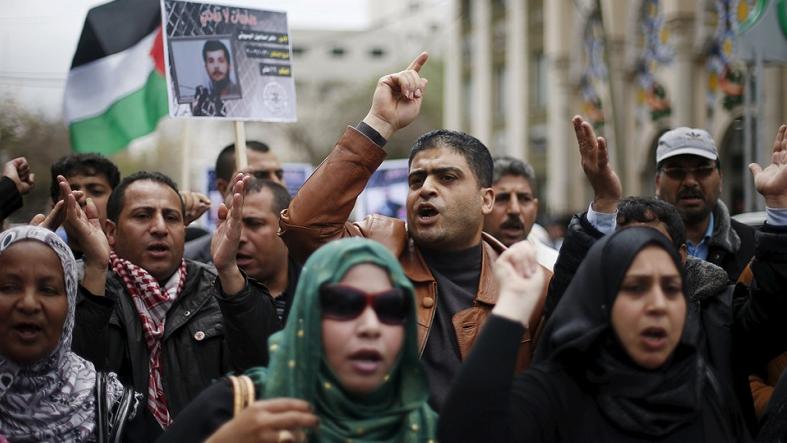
x=372 y=133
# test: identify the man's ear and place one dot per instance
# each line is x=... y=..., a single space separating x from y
x=684 y=253
x=110 y=229
x=487 y=200
x=535 y=204
x=658 y=183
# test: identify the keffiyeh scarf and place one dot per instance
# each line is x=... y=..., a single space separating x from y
x=152 y=304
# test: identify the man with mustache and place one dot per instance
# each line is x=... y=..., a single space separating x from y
x=165 y=325
x=688 y=177
x=442 y=248
x=516 y=207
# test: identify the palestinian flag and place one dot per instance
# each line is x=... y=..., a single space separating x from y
x=116 y=89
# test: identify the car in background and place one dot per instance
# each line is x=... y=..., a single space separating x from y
x=753 y=219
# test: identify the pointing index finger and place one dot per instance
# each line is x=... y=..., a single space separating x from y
x=419 y=62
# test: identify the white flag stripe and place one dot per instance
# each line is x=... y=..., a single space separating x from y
x=92 y=88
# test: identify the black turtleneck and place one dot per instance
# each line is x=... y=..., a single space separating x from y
x=457 y=274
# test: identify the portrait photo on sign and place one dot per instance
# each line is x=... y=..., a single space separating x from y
x=204 y=68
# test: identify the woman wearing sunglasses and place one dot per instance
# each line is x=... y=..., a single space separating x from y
x=623 y=365
x=345 y=367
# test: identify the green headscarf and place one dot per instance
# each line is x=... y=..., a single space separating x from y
x=397 y=411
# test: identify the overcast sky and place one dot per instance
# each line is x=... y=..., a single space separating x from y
x=38 y=39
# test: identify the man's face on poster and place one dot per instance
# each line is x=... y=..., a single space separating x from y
x=216 y=65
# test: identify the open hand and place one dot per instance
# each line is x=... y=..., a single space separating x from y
x=269 y=421
x=771 y=182
x=226 y=239
x=595 y=162
x=397 y=98
x=521 y=281
x=84 y=227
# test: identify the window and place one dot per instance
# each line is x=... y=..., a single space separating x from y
x=337 y=52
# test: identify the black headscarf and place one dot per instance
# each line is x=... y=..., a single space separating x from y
x=579 y=337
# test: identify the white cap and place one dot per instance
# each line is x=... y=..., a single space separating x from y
x=686 y=141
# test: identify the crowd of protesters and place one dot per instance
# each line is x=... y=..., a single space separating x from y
x=657 y=318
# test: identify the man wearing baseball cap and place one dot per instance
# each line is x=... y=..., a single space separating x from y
x=689 y=177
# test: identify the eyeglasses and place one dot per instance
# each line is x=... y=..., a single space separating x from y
x=344 y=303
x=268 y=174
x=679 y=173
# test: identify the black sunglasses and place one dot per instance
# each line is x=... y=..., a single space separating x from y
x=344 y=303
x=679 y=173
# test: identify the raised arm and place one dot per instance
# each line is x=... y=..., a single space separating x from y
x=586 y=228
x=594 y=155
x=319 y=212
x=759 y=314
x=246 y=306
x=16 y=181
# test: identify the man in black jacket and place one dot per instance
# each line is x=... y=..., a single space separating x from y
x=689 y=177
x=166 y=325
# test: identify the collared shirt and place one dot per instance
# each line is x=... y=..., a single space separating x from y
x=776 y=216
x=604 y=222
x=700 y=250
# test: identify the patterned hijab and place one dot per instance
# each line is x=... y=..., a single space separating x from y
x=397 y=411
x=52 y=400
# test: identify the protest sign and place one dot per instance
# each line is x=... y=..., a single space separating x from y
x=386 y=192
x=228 y=62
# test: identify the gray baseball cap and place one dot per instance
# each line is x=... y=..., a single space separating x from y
x=686 y=141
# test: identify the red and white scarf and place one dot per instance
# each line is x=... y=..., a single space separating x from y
x=152 y=305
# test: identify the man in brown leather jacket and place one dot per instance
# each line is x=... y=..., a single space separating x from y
x=441 y=247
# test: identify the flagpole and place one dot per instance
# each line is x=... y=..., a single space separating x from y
x=240 y=146
x=185 y=151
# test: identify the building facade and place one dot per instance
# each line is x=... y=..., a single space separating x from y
x=516 y=71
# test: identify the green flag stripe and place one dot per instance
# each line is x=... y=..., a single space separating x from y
x=131 y=117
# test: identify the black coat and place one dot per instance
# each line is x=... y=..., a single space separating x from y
x=545 y=403
x=10 y=198
x=587 y=386
x=734 y=262
x=739 y=334
x=207 y=335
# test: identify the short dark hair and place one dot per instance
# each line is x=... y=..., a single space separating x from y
x=281 y=197
x=646 y=210
x=117 y=198
x=474 y=152
x=214 y=45
x=506 y=165
x=225 y=162
x=82 y=164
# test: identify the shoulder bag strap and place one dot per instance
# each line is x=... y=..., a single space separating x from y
x=101 y=408
x=126 y=409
